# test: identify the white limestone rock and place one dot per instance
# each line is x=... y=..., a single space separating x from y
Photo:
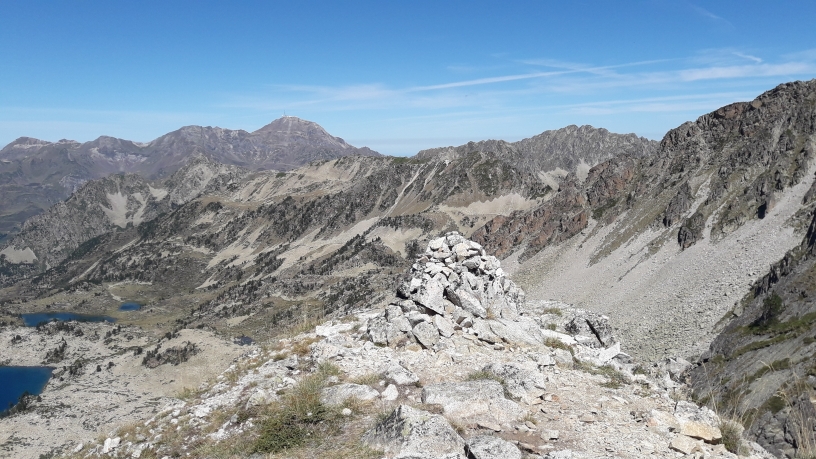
x=400 y=375
x=473 y=401
x=489 y=447
x=412 y=433
x=336 y=395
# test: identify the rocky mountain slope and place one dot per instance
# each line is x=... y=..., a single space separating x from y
x=274 y=247
x=551 y=155
x=684 y=230
x=119 y=201
x=761 y=368
x=35 y=174
x=450 y=390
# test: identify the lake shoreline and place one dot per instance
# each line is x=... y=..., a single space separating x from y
x=99 y=382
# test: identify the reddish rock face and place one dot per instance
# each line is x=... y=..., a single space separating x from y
x=564 y=216
x=745 y=152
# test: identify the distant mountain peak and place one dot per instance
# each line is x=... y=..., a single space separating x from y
x=288 y=129
x=286 y=121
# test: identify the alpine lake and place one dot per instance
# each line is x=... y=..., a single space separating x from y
x=18 y=380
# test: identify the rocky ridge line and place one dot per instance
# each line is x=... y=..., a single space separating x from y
x=522 y=399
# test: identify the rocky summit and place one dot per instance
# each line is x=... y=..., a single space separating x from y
x=453 y=286
x=576 y=294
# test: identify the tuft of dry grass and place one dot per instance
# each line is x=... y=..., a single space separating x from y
x=732 y=436
x=615 y=379
x=188 y=393
x=368 y=379
x=558 y=344
x=804 y=426
x=301 y=347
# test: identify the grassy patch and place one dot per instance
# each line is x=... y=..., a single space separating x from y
x=299 y=417
x=778 y=365
x=553 y=311
x=188 y=393
x=774 y=404
x=554 y=343
x=368 y=379
x=759 y=345
x=732 y=436
x=615 y=379
x=400 y=159
x=301 y=347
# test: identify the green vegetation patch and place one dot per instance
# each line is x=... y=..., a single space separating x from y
x=772 y=307
x=299 y=417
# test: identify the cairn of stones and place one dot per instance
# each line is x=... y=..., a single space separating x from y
x=453 y=287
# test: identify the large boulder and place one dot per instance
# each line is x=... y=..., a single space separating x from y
x=412 y=433
x=488 y=447
x=517 y=381
x=591 y=329
x=400 y=375
x=473 y=401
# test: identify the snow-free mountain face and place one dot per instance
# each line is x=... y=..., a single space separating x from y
x=35 y=174
x=552 y=155
x=666 y=242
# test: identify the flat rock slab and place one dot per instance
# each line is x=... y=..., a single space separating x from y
x=701 y=431
x=684 y=444
x=518 y=381
x=430 y=296
x=473 y=401
x=399 y=374
x=412 y=433
x=336 y=395
x=489 y=447
x=427 y=334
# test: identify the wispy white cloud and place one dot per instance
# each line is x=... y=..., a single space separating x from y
x=749 y=57
x=708 y=15
x=693 y=83
x=745 y=71
x=705 y=13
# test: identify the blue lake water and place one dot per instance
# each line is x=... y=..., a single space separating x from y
x=130 y=306
x=34 y=319
x=14 y=381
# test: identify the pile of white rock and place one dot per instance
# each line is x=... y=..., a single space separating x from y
x=455 y=287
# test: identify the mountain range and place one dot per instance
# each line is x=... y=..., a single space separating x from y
x=672 y=240
x=35 y=174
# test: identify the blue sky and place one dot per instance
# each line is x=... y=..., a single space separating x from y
x=395 y=76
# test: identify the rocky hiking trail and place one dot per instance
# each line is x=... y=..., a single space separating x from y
x=457 y=366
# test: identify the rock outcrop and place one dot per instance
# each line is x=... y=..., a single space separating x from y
x=553 y=154
x=409 y=433
x=422 y=405
x=114 y=203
